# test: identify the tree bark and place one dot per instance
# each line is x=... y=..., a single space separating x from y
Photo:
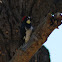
x=40 y=35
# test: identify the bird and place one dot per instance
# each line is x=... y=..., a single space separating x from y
x=26 y=29
x=56 y=18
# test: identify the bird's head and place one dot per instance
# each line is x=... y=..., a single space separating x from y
x=59 y=16
x=26 y=19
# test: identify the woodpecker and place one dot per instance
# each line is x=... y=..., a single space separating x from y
x=56 y=17
x=26 y=29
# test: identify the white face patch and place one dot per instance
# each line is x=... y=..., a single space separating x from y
x=52 y=15
x=29 y=17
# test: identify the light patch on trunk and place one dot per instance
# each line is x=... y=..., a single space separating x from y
x=0 y=1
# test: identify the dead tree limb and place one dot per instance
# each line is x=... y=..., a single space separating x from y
x=40 y=35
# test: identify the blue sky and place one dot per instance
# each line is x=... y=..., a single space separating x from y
x=54 y=44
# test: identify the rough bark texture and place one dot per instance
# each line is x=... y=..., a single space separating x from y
x=11 y=13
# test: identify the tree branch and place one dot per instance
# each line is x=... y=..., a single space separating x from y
x=40 y=35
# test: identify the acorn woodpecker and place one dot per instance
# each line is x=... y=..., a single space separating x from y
x=26 y=29
x=56 y=17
